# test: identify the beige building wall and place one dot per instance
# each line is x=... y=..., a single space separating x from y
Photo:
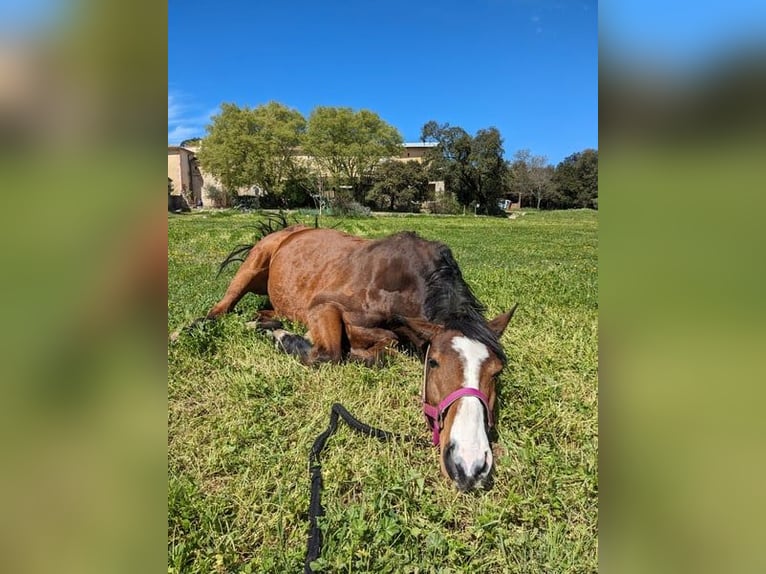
x=189 y=180
x=410 y=152
x=184 y=171
x=415 y=151
x=175 y=171
x=207 y=181
x=437 y=187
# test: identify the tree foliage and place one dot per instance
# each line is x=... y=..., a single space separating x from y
x=399 y=186
x=531 y=175
x=472 y=167
x=489 y=168
x=518 y=181
x=572 y=183
x=247 y=147
x=191 y=142
x=576 y=181
x=349 y=145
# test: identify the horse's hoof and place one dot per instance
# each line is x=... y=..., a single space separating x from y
x=276 y=334
x=264 y=326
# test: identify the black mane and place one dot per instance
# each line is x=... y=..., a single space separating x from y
x=450 y=302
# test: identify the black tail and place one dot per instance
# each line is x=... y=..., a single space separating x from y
x=239 y=254
x=263 y=228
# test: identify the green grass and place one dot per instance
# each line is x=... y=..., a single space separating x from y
x=242 y=418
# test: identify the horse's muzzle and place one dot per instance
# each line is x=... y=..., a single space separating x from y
x=470 y=472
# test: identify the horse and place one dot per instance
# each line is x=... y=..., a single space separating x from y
x=360 y=298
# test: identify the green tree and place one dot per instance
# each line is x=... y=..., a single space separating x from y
x=191 y=142
x=298 y=189
x=517 y=175
x=471 y=167
x=565 y=184
x=449 y=160
x=247 y=147
x=397 y=185
x=576 y=180
x=349 y=145
x=489 y=168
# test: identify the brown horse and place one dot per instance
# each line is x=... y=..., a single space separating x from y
x=360 y=297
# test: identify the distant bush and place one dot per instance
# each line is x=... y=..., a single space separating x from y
x=349 y=208
x=220 y=197
x=248 y=202
x=446 y=205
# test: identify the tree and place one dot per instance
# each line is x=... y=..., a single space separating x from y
x=348 y=145
x=565 y=183
x=576 y=180
x=472 y=167
x=531 y=174
x=449 y=159
x=191 y=142
x=518 y=175
x=540 y=178
x=489 y=168
x=397 y=185
x=588 y=172
x=300 y=187
x=247 y=147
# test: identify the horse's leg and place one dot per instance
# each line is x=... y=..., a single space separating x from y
x=369 y=344
x=326 y=327
x=292 y=344
x=251 y=277
x=265 y=320
x=248 y=279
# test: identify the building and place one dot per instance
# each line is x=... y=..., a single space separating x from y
x=415 y=151
x=190 y=185
x=185 y=175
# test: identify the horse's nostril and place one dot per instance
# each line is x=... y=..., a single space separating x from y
x=484 y=467
x=453 y=470
x=480 y=468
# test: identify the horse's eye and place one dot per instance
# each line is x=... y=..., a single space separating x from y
x=433 y=363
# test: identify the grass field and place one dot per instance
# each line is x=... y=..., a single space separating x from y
x=242 y=418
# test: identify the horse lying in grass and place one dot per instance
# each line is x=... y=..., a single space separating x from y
x=359 y=297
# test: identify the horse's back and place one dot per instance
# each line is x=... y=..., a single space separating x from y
x=261 y=254
x=305 y=264
x=363 y=275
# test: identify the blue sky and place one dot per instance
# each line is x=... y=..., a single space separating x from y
x=528 y=68
x=682 y=35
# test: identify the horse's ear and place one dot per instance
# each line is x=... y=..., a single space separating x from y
x=417 y=330
x=499 y=323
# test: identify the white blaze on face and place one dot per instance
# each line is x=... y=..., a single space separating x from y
x=468 y=434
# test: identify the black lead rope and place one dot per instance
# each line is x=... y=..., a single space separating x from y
x=314 y=546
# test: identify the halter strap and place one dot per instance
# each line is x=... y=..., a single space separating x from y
x=434 y=415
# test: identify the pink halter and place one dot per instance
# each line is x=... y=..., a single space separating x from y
x=434 y=415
